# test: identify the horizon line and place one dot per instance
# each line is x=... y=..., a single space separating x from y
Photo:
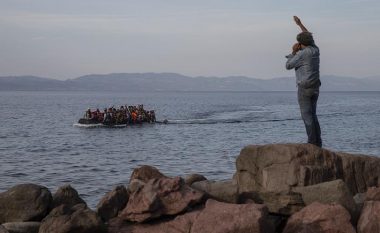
x=174 y=73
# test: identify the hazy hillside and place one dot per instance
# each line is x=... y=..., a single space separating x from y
x=30 y=83
x=177 y=82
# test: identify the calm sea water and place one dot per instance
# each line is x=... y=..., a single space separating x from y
x=39 y=142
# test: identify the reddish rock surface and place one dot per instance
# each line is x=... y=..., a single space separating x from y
x=24 y=202
x=278 y=167
x=216 y=217
x=160 y=197
x=369 y=221
x=320 y=218
x=145 y=173
x=113 y=202
x=180 y=224
x=373 y=194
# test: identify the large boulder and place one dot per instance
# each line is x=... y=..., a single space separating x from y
x=369 y=221
x=226 y=191
x=279 y=167
x=24 y=202
x=180 y=224
x=283 y=203
x=67 y=195
x=320 y=218
x=158 y=197
x=22 y=227
x=141 y=175
x=145 y=173
x=327 y=193
x=112 y=203
x=72 y=219
x=216 y=217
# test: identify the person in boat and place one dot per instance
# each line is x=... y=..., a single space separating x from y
x=117 y=116
x=112 y=115
x=107 y=116
x=124 y=114
x=88 y=114
x=120 y=116
x=127 y=115
x=153 y=116
x=134 y=117
x=140 y=117
x=94 y=116
x=99 y=116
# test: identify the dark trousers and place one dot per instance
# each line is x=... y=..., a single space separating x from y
x=307 y=100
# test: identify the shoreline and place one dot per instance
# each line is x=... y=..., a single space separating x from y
x=278 y=182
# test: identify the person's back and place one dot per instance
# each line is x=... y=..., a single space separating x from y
x=306 y=65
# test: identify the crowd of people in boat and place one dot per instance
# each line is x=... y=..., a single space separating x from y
x=122 y=115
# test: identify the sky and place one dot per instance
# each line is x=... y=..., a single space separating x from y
x=66 y=39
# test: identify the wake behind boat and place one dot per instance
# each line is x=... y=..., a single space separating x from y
x=122 y=116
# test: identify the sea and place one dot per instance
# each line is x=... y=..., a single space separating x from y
x=41 y=143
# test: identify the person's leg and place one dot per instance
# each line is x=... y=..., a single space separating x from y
x=317 y=128
x=307 y=100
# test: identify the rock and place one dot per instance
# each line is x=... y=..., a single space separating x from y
x=285 y=203
x=24 y=202
x=67 y=195
x=145 y=173
x=22 y=227
x=190 y=179
x=3 y=230
x=158 y=197
x=70 y=219
x=320 y=218
x=180 y=224
x=369 y=221
x=225 y=191
x=327 y=193
x=135 y=185
x=218 y=217
x=277 y=168
x=113 y=202
x=373 y=194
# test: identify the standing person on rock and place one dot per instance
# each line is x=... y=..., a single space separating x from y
x=305 y=60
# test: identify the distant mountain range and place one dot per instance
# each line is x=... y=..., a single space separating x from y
x=178 y=82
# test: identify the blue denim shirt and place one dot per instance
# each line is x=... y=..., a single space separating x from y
x=306 y=64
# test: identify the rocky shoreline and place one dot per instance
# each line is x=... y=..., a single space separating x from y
x=285 y=188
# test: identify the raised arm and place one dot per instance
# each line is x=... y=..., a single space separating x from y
x=299 y=23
